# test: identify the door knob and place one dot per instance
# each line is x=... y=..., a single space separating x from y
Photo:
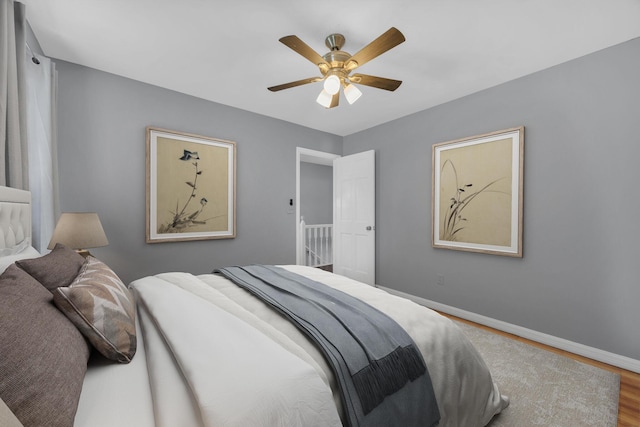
x=369 y=228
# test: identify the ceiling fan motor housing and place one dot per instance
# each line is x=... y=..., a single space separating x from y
x=336 y=60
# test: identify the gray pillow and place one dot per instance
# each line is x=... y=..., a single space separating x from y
x=58 y=268
x=43 y=356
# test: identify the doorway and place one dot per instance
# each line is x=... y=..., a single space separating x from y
x=353 y=204
x=307 y=157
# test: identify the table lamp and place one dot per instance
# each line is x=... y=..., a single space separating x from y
x=79 y=231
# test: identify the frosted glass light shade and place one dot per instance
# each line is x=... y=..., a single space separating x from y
x=352 y=93
x=79 y=230
x=332 y=84
x=324 y=99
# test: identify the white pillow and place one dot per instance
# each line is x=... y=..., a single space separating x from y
x=7 y=418
x=28 y=252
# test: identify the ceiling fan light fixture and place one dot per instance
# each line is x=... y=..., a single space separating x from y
x=332 y=84
x=324 y=99
x=352 y=93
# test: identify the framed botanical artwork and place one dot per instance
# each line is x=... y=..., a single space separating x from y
x=191 y=187
x=476 y=197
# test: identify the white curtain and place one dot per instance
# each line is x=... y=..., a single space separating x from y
x=41 y=132
x=14 y=171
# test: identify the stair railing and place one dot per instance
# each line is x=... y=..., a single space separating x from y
x=317 y=244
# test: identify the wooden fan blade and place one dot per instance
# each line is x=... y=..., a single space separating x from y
x=303 y=49
x=377 y=82
x=390 y=39
x=294 y=84
x=334 y=100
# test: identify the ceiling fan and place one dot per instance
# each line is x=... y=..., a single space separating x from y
x=336 y=67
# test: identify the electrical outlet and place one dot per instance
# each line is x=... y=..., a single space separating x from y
x=440 y=280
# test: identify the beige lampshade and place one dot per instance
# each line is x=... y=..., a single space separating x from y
x=79 y=230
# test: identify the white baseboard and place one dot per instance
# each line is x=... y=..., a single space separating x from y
x=560 y=343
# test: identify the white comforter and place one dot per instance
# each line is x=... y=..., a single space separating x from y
x=218 y=356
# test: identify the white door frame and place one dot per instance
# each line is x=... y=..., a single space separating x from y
x=308 y=156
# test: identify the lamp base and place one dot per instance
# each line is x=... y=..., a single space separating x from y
x=85 y=253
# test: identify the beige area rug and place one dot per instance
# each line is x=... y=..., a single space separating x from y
x=546 y=389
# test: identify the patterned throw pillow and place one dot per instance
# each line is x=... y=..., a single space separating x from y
x=102 y=308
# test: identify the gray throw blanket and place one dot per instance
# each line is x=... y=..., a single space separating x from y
x=382 y=377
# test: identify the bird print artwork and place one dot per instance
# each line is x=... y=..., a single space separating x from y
x=190 y=155
x=182 y=218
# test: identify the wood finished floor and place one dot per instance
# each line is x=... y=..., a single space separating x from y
x=629 y=402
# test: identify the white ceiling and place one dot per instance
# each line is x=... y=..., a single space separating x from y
x=228 y=52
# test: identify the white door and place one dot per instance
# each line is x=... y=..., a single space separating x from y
x=354 y=200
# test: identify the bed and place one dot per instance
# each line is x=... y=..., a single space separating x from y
x=180 y=349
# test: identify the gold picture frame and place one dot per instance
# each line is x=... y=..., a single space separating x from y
x=477 y=193
x=191 y=187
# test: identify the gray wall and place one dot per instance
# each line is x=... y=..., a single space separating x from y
x=102 y=121
x=579 y=278
x=316 y=193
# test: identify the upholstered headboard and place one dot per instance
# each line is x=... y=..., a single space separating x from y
x=15 y=217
